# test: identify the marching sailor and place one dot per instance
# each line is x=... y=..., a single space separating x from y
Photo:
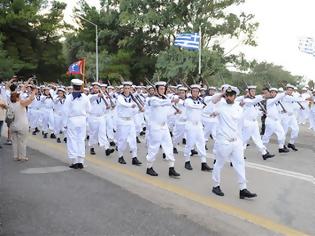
x=59 y=121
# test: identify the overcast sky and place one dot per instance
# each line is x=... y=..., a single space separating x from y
x=282 y=24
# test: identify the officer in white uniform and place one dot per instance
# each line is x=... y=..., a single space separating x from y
x=77 y=106
x=59 y=120
x=159 y=133
x=194 y=129
x=229 y=145
x=126 y=109
x=47 y=106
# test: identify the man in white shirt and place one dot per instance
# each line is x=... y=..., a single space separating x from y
x=228 y=143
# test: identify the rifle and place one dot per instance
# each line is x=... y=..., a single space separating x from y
x=282 y=107
x=301 y=106
x=259 y=103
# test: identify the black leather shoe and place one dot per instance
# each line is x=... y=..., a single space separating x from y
x=193 y=152
x=138 y=140
x=36 y=130
x=121 y=160
x=184 y=141
x=74 y=166
x=34 y=133
x=92 y=151
x=164 y=156
x=231 y=164
x=142 y=133
x=175 y=150
x=136 y=162
x=52 y=136
x=151 y=172
x=267 y=156
x=206 y=147
x=109 y=151
x=58 y=140
x=245 y=193
x=112 y=144
x=205 y=167
x=217 y=191
x=292 y=146
x=87 y=137
x=214 y=161
x=45 y=135
x=172 y=172
x=283 y=150
x=65 y=140
x=188 y=165
x=80 y=166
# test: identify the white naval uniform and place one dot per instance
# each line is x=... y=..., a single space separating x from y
x=159 y=133
x=97 y=122
x=180 y=123
x=126 y=130
x=228 y=143
x=59 y=120
x=209 y=120
x=304 y=114
x=47 y=113
x=110 y=120
x=194 y=129
x=250 y=128
x=76 y=111
x=273 y=121
x=35 y=116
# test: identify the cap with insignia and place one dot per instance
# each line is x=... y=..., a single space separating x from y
x=126 y=83
x=232 y=89
x=195 y=86
x=77 y=82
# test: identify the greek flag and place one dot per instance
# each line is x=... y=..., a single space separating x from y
x=188 y=40
x=307 y=45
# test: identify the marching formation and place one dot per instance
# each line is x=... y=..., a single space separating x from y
x=114 y=118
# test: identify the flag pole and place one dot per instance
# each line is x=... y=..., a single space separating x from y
x=83 y=71
x=199 y=67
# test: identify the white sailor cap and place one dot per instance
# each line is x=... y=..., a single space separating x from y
x=86 y=89
x=149 y=87
x=46 y=88
x=61 y=89
x=103 y=85
x=203 y=89
x=96 y=83
x=290 y=86
x=273 y=89
x=224 y=86
x=195 y=86
x=160 y=83
x=251 y=87
x=110 y=87
x=305 y=89
x=179 y=85
x=182 y=88
x=281 y=89
x=126 y=83
x=230 y=89
x=212 y=88
x=77 y=82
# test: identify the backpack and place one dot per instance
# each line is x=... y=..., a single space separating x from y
x=10 y=116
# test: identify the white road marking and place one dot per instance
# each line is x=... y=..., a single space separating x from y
x=45 y=170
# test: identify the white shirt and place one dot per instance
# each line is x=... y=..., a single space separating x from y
x=124 y=106
x=272 y=108
x=194 y=110
x=98 y=106
x=159 y=112
x=77 y=107
x=251 y=112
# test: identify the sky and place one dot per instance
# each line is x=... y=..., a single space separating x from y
x=282 y=24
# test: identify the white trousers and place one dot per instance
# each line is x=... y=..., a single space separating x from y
x=251 y=130
x=178 y=132
x=59 y=124
x=34 y=117
x=194 y=137
x=126 y=135
x=290 y=122
x=209 y=128
x=76 y=133
x=157 y=138
x=47 y=120
x=274 y=126
x=230 y=151
x=97 y=132
x=110 y=127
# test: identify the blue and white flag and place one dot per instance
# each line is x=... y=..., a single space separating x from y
x=307 y=45
x=188 y=40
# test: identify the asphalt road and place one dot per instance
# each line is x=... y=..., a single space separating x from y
x=110 y=199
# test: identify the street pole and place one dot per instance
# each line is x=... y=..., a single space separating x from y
x=96 y=46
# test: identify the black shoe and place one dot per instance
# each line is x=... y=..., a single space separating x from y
x=184 y=141
x=267 y=156
x=80 y=166
x=65 y=140
x=206 y=147
x=52 y=136
x=92 y=151
x=142 y=133
x=245 y=193
x=188 y=165
x=172 y=172
x=151 y=172
x=211 y=136
x=36 y=130
x=121 y=160
x=292 y=146
x=205 y=167
x=144 y=129
x=74 y=166
x=43 y=132
x=87 y=137
x=138 y=140
x=58 y=140
x=231 y=164
x=109 y=151
x=214 y=161
x=34 y=133
x=164 y=156
x=112 y=144
x=45 y=135
x=136 y=162
x=283 y=150
x=217 y=190
x=171 y=133
x=175 y=150
x=193 y=152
